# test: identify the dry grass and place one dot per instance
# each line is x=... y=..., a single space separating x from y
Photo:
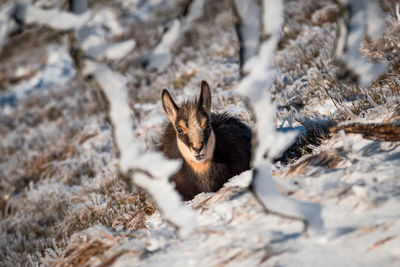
x=381 y=242
x=298 y=14
x=372 y=131
x=58 y=183
x=17 y=53
x=387 y=47
x=327 y=14
x=55 y=181
x=182 y=80
x=96 y=247
x=313 y=72
x=311 y=134
x=325 y=159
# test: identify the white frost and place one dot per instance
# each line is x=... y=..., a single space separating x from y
x=271 y=142
x=366 y=17
x=265 y=188
x=92 y=37
x=95 y=46
x=250 y=28
x=7 y=24
x=160 y=56
x=151 y=169
x=53 y=18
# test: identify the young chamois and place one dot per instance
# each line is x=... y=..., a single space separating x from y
x=214 y=147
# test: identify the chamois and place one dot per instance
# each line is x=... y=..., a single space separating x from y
x=213 y=147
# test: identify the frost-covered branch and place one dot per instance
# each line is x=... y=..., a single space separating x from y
x=53 y=18
x=398 y=12
x=90 y=38
x=248 y=29
x=149 y=170
x=269 y=142
x=7 y=24
x=94 y=46
x=160 y=55
x=359 y=18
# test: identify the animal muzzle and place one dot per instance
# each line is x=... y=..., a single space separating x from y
x=199 y=151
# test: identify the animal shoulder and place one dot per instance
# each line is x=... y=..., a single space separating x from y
x=213 y=146
x=230 y=130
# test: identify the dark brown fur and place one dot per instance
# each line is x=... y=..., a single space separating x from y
x=231 y=154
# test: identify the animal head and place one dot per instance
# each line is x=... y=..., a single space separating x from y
x=195 y=137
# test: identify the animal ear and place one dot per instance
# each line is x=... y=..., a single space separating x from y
x=170 y=108
x=205 y=97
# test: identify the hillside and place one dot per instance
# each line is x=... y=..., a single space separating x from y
x=69 y=186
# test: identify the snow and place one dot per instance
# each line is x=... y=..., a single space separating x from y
x=195 y=10
x=58 y=70
x=169 y=202
x=53 y=18
x=6 y=25
x=266 y=190
x=160 y=56
x=63 y=199
x=92 y=37
x=365 y=17
x=133 y=156
x=250 y=28
x=94 y=46
x=270 y=141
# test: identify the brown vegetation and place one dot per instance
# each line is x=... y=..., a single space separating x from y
x=372 y=131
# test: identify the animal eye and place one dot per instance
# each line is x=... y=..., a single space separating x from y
x=179 y=130
x=204 y=124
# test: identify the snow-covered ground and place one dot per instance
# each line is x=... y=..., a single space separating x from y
x=63 y=201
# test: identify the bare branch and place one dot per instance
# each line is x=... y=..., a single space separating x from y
x=133 y=158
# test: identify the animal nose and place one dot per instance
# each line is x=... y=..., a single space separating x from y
x=198 y=149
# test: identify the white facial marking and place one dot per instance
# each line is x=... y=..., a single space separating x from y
x=194 y=130
x=189 y=156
